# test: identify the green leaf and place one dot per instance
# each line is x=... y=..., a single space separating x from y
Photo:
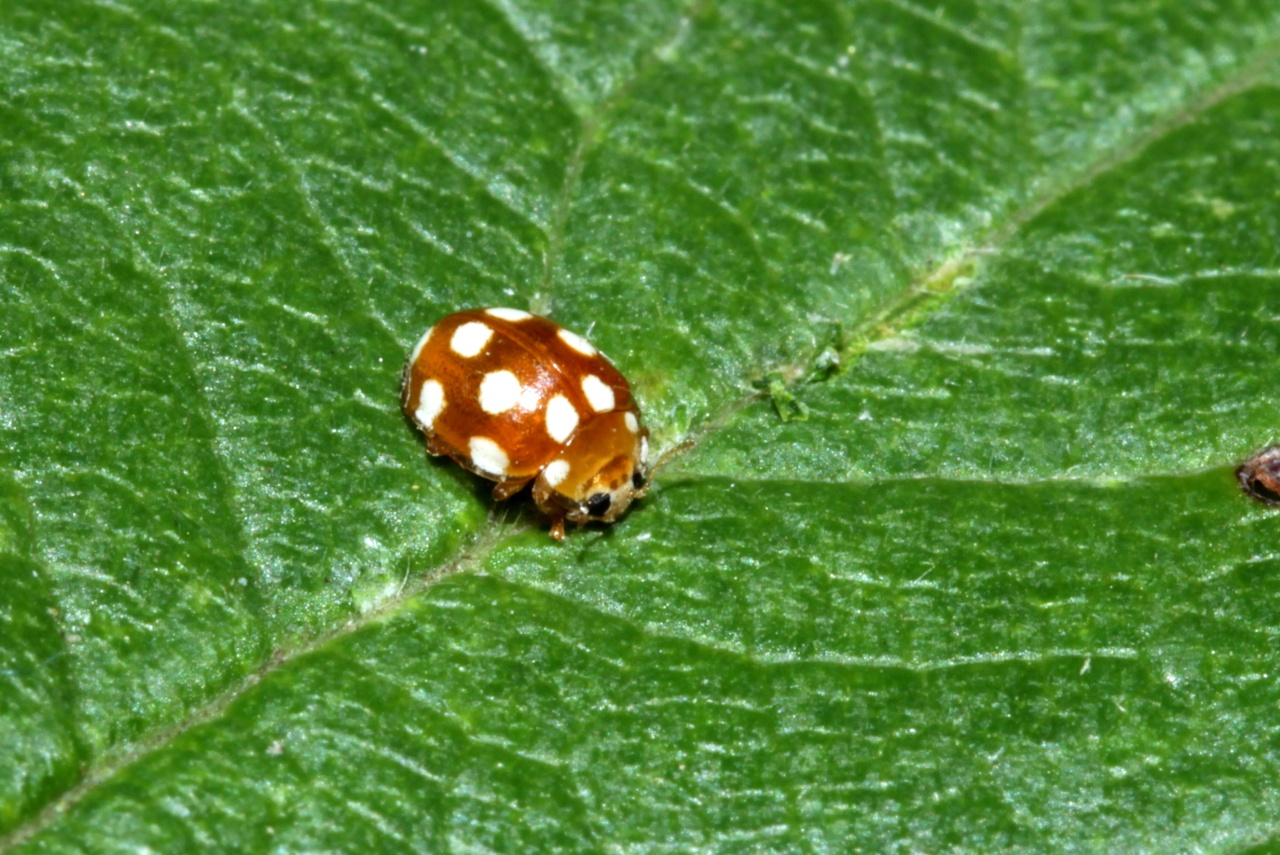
x=970 y=308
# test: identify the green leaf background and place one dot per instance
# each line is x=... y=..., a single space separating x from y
x=972 y=308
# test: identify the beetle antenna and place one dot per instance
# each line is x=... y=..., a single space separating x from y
x=667 y=455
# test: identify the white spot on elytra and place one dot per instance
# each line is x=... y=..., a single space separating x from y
x=599 y=396
x=470 y=338
x=644 y=449
x=422 y=342
x=556 y=472
x=530 y=398
x=499 y=392
x=509 y=314
x=633 y=424
x=488 y=456
x=577 y=342
x=562 y=418
x=430 y=403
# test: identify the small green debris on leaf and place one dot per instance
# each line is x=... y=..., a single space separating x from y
x=788 y=406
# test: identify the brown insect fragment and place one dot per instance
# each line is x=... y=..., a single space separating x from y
x=1259 y=476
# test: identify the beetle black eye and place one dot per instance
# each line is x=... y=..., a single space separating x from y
x=598 y=504
x=637 y=479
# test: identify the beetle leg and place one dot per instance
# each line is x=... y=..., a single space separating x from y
x=557 y=528
x=506 y=489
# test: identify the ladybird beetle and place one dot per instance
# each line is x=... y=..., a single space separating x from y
x=515 y=398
